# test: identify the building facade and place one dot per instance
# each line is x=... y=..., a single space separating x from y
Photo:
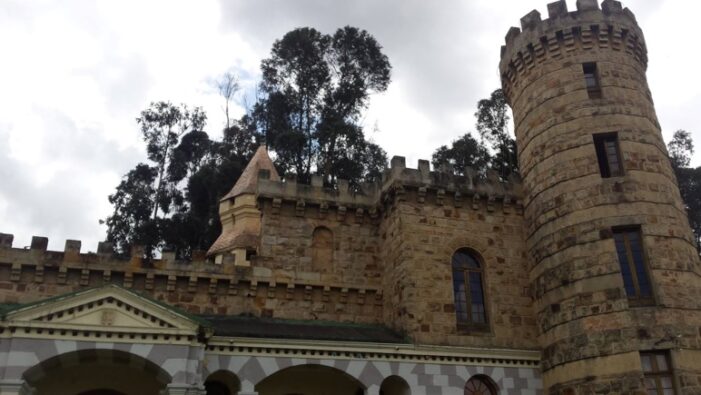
x=581 y=278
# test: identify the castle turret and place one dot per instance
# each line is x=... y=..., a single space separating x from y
x=615 y=272
x=239 y=214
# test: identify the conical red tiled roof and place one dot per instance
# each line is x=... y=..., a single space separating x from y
x=248 y=181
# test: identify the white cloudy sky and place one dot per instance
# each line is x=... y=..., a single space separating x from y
x=75 y=74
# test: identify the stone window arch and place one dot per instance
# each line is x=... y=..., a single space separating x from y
x=468 y=290
x=480 y=385
x=322 y=248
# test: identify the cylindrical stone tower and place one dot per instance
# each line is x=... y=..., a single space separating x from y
x=615 y=273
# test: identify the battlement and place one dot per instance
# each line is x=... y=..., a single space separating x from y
x=105 y=252
x=198 y=286
x=316 y=193
x=612 y=26
x=370 y=197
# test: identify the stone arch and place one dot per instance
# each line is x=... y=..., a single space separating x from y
x=394 y=385
x=481 y=384
x=476 y=244
x=322 y=248
x=92 y=371
x=222 y=382
x=310 y=379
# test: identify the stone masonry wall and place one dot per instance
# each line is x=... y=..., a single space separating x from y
x=431 y=233
x=427 y=217
x=200 y=287
x=591 y=335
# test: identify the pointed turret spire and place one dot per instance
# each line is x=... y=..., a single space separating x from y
x=240 y=218
x=248 y=182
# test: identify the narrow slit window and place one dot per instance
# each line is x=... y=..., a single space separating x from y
x=591 y=80
x=608 y=155
x=631 y=259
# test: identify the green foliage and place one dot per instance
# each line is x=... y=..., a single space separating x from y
x=680 y=148
x=133 y=201
x=465 y=152
x=315 y=88
x=492 y=125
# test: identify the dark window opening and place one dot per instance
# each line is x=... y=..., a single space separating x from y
x=591 y=80
x=250 y=253
x=659 y=377
x=468 y=291
x=631 y=259
x=608 y=154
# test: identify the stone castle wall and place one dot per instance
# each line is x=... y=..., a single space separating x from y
x=379 y=255
x=199 y=287
x=425 y=223
x=590 y=331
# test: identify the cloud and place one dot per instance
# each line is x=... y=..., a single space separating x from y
x=61 y=193
x=76 y=74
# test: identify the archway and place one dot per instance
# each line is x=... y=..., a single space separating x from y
x=222 y=382
x=97 y=372
x=310 y=380
x=394 y=385
x=480 y=385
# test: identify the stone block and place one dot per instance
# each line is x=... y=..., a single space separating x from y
x=105 y=248
x=557 y=9
x=39 y=243
x=531 y=20
x=6 y=240
x=587 y=5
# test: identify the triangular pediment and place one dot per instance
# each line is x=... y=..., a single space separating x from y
x=106 y=307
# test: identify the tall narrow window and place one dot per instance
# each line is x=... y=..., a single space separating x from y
x=608 y=154
x=591 y=80
x=633 y=268
x=468 y=290
x=659 y=378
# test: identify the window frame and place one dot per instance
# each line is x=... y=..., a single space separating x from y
x=602 y=155
x=656 y=373
x=638 y=299
x=594 y=92
x=486 y=382
x=470 y=325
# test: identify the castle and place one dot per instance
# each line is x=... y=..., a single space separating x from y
x=581 y=278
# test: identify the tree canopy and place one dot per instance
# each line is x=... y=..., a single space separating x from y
x=680 y=148
x=314 y=89
x=492 y=123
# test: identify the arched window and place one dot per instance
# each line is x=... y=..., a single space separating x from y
x=322 y=248
x=480 y=385
x=468 y=290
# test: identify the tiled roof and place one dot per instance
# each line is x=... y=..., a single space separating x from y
x=273 y=328
x=248 y=181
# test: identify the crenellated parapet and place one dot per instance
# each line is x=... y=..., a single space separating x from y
x=444 y=187
x=198 y=285
x=440 y=186
x=315 y=198
x=564 y=32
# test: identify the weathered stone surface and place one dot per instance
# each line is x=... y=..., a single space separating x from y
x=583 y=316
